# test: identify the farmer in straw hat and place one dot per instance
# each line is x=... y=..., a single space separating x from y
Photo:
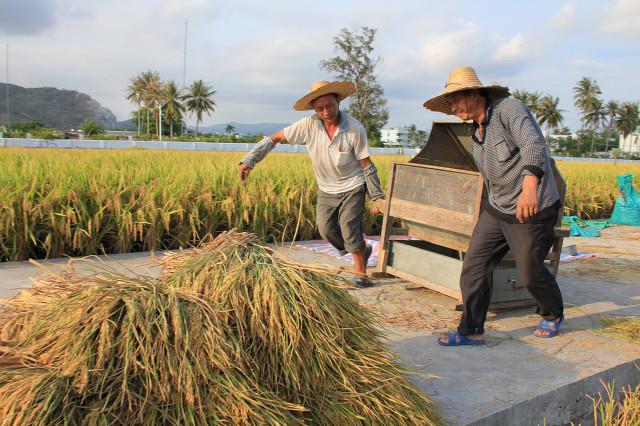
x=520 y=207
x=339 y=152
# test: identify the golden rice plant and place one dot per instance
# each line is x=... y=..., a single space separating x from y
x=229 y=334
x=592 y=188
x=81 y=202
x=321 y=348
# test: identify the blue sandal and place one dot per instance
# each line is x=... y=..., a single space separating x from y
x=551 y=327
x=456 y=339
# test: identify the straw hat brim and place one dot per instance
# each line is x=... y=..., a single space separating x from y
x=440 y=104
x=341 y=88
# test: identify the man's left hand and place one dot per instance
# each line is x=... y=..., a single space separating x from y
x=377 y=207
x=528 y=201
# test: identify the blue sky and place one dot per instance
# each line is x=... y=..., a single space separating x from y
x=262 y=56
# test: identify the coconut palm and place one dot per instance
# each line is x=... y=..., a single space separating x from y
x=627 y=118
x=549 y=113
x=172 y=105
x=230 y=130
x=135 y=93
x=530 y=99
x=612 y=112
x=586 y=97
x=595 y=118
x=151 y=91
x=199 y=99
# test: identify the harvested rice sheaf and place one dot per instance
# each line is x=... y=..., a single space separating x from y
x=229 y=334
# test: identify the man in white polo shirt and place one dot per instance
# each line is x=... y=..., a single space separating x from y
x=339 y=152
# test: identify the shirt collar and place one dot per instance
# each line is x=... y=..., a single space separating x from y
x=487 y=119
x=343 y=124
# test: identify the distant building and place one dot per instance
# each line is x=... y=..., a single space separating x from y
x=399 y=136
x=630 y=144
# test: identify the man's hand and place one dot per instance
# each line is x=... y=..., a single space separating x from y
x=377 y=207
x=528 y=201
x=244 y=171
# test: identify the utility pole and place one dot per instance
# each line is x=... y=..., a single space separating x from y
x=7 y=94
x=184 y=73
x=184 y=62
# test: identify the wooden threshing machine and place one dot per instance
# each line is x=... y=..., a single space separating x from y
x=437 y=197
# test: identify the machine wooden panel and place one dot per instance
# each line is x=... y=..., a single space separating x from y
x=448 y=199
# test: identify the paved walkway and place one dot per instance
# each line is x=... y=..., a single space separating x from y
x=515 y=379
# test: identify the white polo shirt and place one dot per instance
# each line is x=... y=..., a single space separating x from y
x=335 y=162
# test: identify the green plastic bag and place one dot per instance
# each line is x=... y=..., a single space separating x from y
x=627 y=208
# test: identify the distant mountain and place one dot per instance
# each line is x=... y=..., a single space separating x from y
x=245 y=129
x=60 y=109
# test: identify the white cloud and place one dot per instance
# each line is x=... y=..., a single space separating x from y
x=516 y=49
x=623 y=19
x=565 y=18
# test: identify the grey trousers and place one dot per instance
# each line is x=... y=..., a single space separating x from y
x=340 y=219
x=491 y=240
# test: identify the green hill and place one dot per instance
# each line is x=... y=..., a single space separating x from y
x=60 y=109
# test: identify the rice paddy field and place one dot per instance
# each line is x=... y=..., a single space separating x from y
x=80 y=202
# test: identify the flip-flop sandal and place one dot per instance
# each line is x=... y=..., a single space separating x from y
x=551 y=327
x=361 y=282
x=456 y=339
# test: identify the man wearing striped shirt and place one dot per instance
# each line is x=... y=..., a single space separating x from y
x=521 y=205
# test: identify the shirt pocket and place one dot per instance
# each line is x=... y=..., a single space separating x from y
x=504 y=151
x=345 y=159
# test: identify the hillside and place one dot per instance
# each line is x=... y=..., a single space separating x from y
x=60 y=109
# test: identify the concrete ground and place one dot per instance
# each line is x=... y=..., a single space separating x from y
x=516 y=379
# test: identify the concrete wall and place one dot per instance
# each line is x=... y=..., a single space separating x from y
x=211 y=146
x=184 y=146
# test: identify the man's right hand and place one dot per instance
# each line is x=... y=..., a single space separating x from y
x=244 y=171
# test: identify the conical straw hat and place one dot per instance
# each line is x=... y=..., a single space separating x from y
x=463 y=78
x=320 y=88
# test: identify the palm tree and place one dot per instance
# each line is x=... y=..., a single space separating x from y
x=628 y=118
x=530 y=99
x=199 y=99
x=549 y=113
x=151 y=91
x=585 y=98
x=135 y=93
x=172 y=105
x=230 y=130
x=595 y=118
x=611 y=110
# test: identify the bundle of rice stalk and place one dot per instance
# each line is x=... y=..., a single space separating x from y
x=301 y=334
x=122 y=350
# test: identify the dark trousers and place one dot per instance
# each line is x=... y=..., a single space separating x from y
x=491 y=240
x=340 y=219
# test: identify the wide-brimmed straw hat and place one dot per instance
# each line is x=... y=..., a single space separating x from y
x=463 y=78
x=320 y=88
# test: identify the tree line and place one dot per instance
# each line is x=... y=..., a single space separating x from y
x=600 y=120
x=162 y=102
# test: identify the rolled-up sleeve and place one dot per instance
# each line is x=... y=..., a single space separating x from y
x=526 y=134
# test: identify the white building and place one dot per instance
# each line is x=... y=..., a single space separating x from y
x=399 y=136
x=630 y=144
